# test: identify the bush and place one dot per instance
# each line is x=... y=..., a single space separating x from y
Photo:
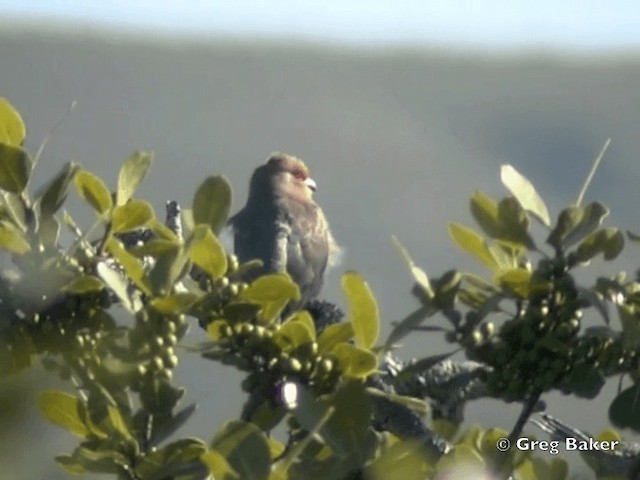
x=350 y=408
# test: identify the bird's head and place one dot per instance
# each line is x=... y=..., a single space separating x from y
x=285 y=175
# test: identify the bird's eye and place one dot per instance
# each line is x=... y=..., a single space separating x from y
x=299 y=174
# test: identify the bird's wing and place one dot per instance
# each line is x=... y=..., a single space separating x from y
x=279 y=253
x=308 y=249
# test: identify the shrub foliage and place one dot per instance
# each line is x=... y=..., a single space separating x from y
x=106 y=306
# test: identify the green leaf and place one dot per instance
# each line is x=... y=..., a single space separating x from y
x=523 y=190
x=485 y=211
x=170 y=265
x=346 y=430
x=132 y=266
x=333 y=335
x=84 y=284
x=211 y=202
x=624 y=411
x=49 y=231
x=70 y=464
x=12 y=240
x=178 y=459
x=92 y=189
x=363 y=309
x=162 y=231
x=447 y=288
x=135 y=214
x=608 y=241
x=272 y=292
x=246 y=449
x=54 y=193
x=116 y=283
x=517 y=280
x=408 y=325
x=12 y=129
x=117 y=422
x=207 y=252
x=355 y=362
x=419 y=275
x=584 y=382
x=398 y=461
x=514 y=223
x=15 y=209
x=630 y=326
x=15 y=168
x=460 y=462
x=575 y=223
x=159 y=397
x=63 y=410
x=171 y=426
x=218 y=466
x=469 y=241
x=506 y=221
x=131 y=174
x=297 y=330
x=175 y=303
x=100 y=461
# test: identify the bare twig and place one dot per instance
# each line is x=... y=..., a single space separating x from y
x=592 y=172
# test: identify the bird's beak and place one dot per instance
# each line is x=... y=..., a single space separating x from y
x=309 y=182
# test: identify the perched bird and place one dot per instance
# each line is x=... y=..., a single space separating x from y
x=282 y=225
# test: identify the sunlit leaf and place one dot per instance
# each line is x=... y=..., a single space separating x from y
x=419 y=275
x=297 y=330
x=218 y=466
x=84 y=284
x=12 y=240
x=175 y=303
x=517 y=280
x=134 y=214
x=469 y=241
x=116 y=283
x=333 y=335
x=354 y=361
x=12 y=128
x=132 y=266
x=70 y=464
x=212 y=202
x=92 y=189
x=62 y=409
x=131 y=174
x=208 y=253
x=363 y=309
x=523 y=190
x=117 y=422
x=272 y=292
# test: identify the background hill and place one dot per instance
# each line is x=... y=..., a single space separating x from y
x=396 y=139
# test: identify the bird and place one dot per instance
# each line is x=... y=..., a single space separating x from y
x=283 y=226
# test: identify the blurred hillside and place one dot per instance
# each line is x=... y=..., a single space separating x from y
x=396 y=139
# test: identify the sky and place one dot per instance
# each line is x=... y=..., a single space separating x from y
x=502 y=24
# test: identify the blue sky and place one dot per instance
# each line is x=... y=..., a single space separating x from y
x=583 y=24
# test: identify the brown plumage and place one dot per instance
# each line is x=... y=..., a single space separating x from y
x=282 y=225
